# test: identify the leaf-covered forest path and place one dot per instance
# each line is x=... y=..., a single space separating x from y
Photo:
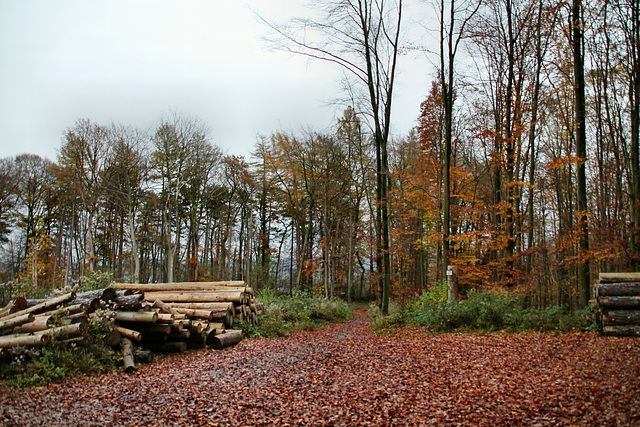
x=344 y=375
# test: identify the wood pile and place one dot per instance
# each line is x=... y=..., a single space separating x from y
x=618 y=303
x=166 y=317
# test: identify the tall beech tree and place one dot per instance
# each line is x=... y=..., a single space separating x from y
x=362 y=37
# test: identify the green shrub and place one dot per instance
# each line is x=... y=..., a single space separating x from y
x=483 y=311
x=57 y=360
x=285 y=315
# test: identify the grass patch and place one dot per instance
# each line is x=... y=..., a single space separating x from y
x=284 y=315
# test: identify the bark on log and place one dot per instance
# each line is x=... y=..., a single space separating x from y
x=137 y=316
x=619 y=277
x=129 y=333
x=619 y=302
x=18 y=304
x=225 y=317
x=113 y=338
x=195 y=313
x=153 y=287
x=65 y=332
x=39 y=323
x=619 y=289
x=129 y=302
x=148 y=329
x=204 y=305
x=92 y=304
x=227 y=339
x=165 y=318
x=10 y=323
x=105 y=294
x=127 y=356
x=622 y=317
x=215 y=328
x=196 y=296
x=164 y=307
x=43 y=306
x=23 y=340
x=66 y=311
x=622 y=331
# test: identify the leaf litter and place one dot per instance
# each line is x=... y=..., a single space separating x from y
x=345 y=375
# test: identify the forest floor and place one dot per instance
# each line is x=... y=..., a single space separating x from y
x=346 y=375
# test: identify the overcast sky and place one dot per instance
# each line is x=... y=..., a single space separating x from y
x=130 y=61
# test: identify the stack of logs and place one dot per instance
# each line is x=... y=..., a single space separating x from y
x=618 y=303
x=168 y=317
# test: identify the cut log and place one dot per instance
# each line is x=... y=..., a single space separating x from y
x=619 y=277
x=215 y=328
x=227 y=339
x=622 y=317
x=622 y=331
x=129 y=302
x=619 y=302
x=196 y=296
x=203 y=305
x=65 y=332
x=137 y=316
x=20 y=303
x=164 y=307
x=144 y=356
x=154 y=287
x=619 y=289
x=195 y=313
x=127 y=356
x=112 y=338
x=105 y=294
x=148 y=328
x=10 y=323
x=66 y=311
x=43 y=306
x=165 y=318
x=23 y=340
x=92 y=304
x=39 y=323
x=129 y=333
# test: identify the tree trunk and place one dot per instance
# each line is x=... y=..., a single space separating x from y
x=227 y=339
x=581 y=152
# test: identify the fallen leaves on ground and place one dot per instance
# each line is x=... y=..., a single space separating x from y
x=346 y=375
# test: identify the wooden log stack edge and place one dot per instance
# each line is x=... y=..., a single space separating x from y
x=618 y=303
x=164 y=317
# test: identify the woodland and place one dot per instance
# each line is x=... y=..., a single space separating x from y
x=522 y=171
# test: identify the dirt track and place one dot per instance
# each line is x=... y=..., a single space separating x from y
x=345 y=375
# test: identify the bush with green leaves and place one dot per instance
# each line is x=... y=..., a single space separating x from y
x=484 y=311
x=284 y=315
x=57 y=360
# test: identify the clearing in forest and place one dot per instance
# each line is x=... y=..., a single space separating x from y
x=346 y=375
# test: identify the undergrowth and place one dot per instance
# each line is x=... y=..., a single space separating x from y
x=284 y=315
x=480 y=311
x=57 y=360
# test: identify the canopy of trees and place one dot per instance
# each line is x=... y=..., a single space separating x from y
x=498 y=141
